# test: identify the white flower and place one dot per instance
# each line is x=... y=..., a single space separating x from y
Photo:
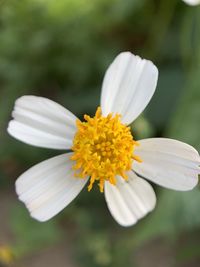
x=103 y=148
x=192 y=2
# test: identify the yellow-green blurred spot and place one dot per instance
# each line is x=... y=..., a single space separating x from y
x=6 y=255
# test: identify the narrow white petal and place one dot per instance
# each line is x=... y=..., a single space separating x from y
x=49 y=187
x=128 y=86
x=41 y=122
x=130 y=200
x=192 y=2
x=169 y=163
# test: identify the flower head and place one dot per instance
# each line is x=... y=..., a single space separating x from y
x=103 y=149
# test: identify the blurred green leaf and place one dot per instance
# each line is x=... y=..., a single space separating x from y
x=164 y=102
x=31 y=235
x=175 y=212
x=186 y=120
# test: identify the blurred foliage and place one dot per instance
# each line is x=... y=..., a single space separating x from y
x=61 y=49
x=30 y=234
x=185 y=123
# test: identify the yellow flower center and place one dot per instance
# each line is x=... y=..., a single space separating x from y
x=103 y=148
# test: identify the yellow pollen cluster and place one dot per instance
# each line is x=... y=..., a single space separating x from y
x=103 y=148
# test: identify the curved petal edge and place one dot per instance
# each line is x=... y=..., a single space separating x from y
x=42 y=122
x=128 y=86
x=168 y=163
x=129 y=201
x=48 y=187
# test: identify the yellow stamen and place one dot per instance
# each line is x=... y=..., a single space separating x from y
x=103 y=148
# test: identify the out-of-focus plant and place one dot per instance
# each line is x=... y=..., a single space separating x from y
x=30 y=235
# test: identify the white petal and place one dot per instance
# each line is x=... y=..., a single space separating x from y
x=129 y=201
x=41 y=122
x=169 y=163
x=49 y=187
x=192 y=2
x=128 y=86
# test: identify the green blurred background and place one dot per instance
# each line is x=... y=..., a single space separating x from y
x=60 y=50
